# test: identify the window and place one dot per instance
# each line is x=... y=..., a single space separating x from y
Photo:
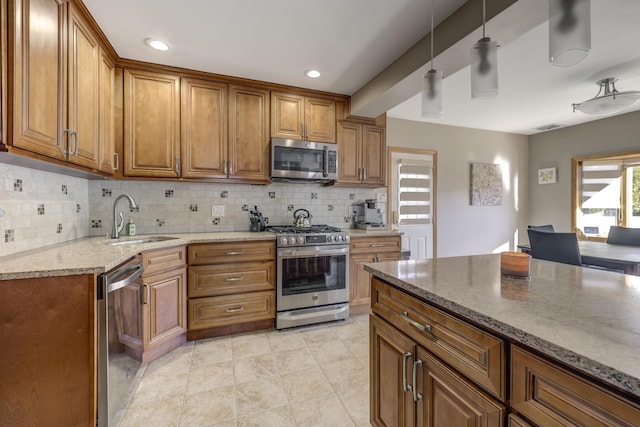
x=606 y=193
x=414 y=192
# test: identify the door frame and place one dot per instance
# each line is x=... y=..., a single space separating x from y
x=434 y=211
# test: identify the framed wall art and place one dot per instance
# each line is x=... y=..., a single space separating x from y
x=486 y=184
x=547 y=175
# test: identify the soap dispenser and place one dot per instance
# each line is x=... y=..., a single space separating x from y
x=131 y=227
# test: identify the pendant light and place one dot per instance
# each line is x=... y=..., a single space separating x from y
x=569 y=31
x=432 y=86
x=484 y=64
x=608 y=100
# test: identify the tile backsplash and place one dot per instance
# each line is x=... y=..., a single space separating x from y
x=42 y=208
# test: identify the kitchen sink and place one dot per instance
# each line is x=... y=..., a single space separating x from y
x=138 y=240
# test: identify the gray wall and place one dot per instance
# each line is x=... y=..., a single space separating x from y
x=463 y=229
x=551 y=203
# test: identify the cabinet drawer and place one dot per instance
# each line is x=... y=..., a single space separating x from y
x=230 y=309
x=163 y=260
x=375 y=244
x=549 y=395
x=516 y=421
x=230 y=252
x=223 y=279
x=474 y=353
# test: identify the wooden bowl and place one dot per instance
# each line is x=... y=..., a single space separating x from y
x=515 y=264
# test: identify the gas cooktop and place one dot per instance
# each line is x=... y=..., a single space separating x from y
x=290 y=229
x=289 y=235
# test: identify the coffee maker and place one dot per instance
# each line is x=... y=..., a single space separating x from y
x=368 y=215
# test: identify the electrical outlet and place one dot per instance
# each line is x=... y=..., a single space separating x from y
x=217 y=210
x=381 y=197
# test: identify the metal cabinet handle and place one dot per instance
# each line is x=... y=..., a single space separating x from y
x=116 y=157
x=405 y=361
x=426 y=327
x=416 y=365
x=364 y=174
x=178 y=165
x=234 y=310
x=234 y=253
x=62 y=150
x=146 y=294
x=234 y=279
x=75 y=140
x=376 y=245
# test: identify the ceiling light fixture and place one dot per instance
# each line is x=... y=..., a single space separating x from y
x=569 y=31
x=484 y=64
x=432 y=86
x=312 y=74
x=157 y=44
x=611 y=101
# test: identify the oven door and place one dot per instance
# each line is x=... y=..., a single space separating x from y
x=312 y=276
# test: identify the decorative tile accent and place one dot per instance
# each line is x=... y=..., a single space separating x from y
x=216 y=221
x=290 y=208
x=17 y=185
x=352 y=196
x=347 y=219
x=40 y=209
x=224 y=194
x=330 y=207
x=272 y=194
x=266 y=220
x=245 y=208
x=168 y=193
x=106 y=192
x=59 y=230
x=193 y=208
x=96 y=223
x=160 y=222
x=8 y=236
x=78 y=208
x=314 y=195
x=64 y=189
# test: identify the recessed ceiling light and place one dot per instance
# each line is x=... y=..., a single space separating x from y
x=312 y=74
x=157 y=44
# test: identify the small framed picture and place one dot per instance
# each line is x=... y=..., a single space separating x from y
x=547 y=176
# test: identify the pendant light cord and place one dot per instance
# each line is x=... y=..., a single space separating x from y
x=431 y=35
x=484 y=16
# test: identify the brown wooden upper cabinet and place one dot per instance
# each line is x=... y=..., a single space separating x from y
x=302 y=117
x=362 y=148
x=58 y=85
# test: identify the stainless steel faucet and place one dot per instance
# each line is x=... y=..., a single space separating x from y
x=117 y=228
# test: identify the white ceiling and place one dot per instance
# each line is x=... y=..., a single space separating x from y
x=352 y=41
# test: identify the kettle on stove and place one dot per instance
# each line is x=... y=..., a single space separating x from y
x=302 y=218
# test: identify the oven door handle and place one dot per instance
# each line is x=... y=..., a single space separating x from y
x=297 y=253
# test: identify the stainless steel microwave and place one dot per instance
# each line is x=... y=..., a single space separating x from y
x=294 y=160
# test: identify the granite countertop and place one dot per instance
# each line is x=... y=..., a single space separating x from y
x=92 y=255
x=586 y=318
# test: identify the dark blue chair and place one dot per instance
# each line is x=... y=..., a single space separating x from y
x=624 y=236
x=548 y=228
x=557 y=247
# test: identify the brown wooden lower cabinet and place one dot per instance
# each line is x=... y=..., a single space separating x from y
x=411 y=387
x=516 y=421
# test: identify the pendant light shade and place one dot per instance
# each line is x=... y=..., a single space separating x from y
x=432 y=86
x=569 y=31
x=484 y=64
x=432 y=94
x=608 y=100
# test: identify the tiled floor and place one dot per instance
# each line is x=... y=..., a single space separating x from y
x=310 y=376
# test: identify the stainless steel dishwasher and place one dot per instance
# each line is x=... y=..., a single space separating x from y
x=118 y=371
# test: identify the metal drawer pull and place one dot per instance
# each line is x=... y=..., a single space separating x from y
x=234 y=253
x=426 y=327
x=376 y=245
x=405 y=362
x=234 y=310
x=234 y=279
x=416 y=396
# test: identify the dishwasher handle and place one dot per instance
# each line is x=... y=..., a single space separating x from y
x=123 y=276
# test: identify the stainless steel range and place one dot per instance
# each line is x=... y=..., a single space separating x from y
x=312 y=275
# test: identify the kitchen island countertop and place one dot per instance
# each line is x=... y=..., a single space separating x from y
x=585 y=318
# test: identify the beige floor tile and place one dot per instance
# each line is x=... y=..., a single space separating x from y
x=227 y=423
x=358 y=346
x=330 y=351
x=162 y=413
x=212 y=351
x=209 y=407
x=295 y=360
x=209 y=377
x=327 y=411
x=350 y=331
x=260 y=395
x=276 y=417
x=248 y=346
x=356 y=402
x=174 y=361
x=346 y=374
x=318 y=334
x=306 y=385
x=159 y=386
x=285 y=340
x=255 y=367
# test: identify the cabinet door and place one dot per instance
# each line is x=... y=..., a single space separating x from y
x=83 y=101
x=203 y=124
x=449 y=400
x=391 y=360
x=39 y=103
x=349 y=152
x=151 y=124
x=320 y=120
x=287 y=116
x=359 y=282
x=373 y=155
x=164 y=307
x=108 y=161
x=249 y=133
